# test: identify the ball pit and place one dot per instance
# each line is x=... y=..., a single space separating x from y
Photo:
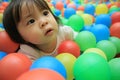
x=106 y=13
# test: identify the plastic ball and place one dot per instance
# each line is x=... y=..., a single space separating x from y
x=108 y=48
x=13 y=65
x=64 y=20
x=68 y=12
x=68 y=61
x=101 y=9
x=91 y=66
x=1 y=17
x=88 y=20
x=104 y=19
x=6 y=44
x=97 y=51
x=115 y=30
x=49 y=62
x=59 y=5
x=89 y=9
x=2 y=55
x=69 y=46
x=115 y=17
x=57 y=12
x=101 y=32
x=116 y=42
x=85 y=40
x=76 y=22
x=40 y=74
x=115 y=66
x=113 y=9
x=80 y=8
x=72 y=5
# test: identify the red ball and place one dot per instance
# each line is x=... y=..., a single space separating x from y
x=115 y=17
x=6 y=44
x=41 y=74
x=69 y=47
x=59 y=5
x=13 y=65
x=115 y=30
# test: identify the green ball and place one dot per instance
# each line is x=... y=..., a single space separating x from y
x=116 y=42
x=91 y=66
x=108 y=48
x=85 y=40
x=115 y=68
x=113 y=9
x=76 y=22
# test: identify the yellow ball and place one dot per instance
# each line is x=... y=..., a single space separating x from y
x=68 y=61
x=101 y=9
x=1 y=17
x=88 y=20
x=96 y=50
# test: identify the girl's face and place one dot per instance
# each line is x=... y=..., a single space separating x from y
x=37 y=26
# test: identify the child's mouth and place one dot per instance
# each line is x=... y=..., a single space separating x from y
x=48 y=32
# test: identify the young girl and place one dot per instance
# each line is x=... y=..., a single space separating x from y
x=32 y=24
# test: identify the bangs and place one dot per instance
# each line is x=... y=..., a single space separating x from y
x=17 y=9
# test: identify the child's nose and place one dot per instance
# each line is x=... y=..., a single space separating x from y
x=44 y=24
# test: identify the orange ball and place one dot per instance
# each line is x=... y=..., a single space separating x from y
x=69 y=46
x=6 y=44
x=115 y=30
x=41 y=74
x=13 y=65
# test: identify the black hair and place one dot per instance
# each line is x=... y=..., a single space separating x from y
x=12 y=15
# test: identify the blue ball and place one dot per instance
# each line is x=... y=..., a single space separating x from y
x=2 y=54
x=103 y=19
x=49 y=62
x=57 y=12
x=101 y=32
x=89 y=9
x=69 y=12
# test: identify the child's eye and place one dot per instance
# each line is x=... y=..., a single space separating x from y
x=31 y=21
x=45 y=13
